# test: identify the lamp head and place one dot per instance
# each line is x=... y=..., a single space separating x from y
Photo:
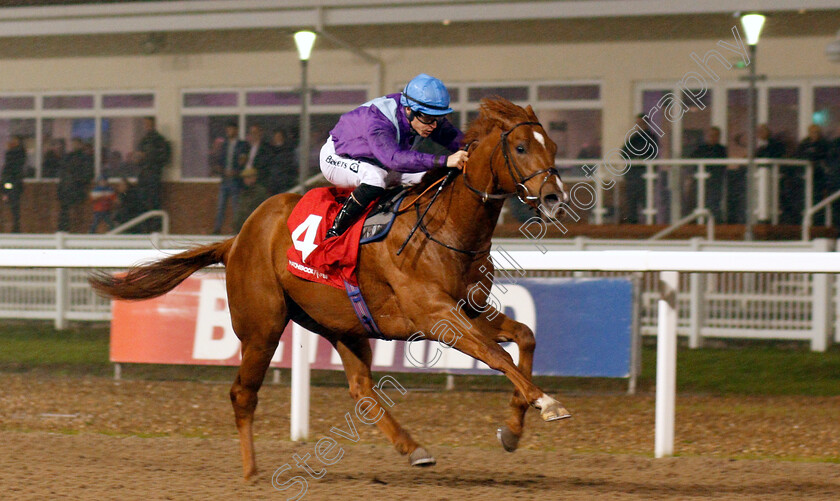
x=752 y=23
x=304 y=41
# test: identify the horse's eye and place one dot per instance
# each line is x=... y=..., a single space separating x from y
x=520 y=149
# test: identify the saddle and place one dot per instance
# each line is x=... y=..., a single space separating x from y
x=380 y=219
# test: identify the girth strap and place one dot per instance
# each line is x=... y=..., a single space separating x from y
x=362 y=310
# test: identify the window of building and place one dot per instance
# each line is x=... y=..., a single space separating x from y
x=25 y=129
x=657 y=99
x=107 y=123
x=783 y=106
x=570 y=112
x=205 y=114
x=736 y=121
x=783 y=114
x=826 y=108
x=696 y=120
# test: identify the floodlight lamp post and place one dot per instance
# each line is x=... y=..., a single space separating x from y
x=304 y=40
x=752 y=24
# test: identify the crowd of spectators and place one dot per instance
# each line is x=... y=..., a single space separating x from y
x=254 y=168
x=726 y=185
x=250 y=171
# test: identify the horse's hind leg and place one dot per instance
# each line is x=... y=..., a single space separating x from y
x=243 y=396
x=259 y=329
x=356 y=356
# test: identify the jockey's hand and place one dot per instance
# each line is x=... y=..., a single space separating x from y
x=457 y=159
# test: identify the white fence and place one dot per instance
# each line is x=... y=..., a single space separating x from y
x=726 y=304
x=62 y=294
x=669 y=263
x=781 y=305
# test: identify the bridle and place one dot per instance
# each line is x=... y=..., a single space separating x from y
x=522 y=192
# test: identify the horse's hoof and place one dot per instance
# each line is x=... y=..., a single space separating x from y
x=507 y=438
x=551 y=410
x=421 y=457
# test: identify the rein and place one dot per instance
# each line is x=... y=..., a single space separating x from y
x=441 y=185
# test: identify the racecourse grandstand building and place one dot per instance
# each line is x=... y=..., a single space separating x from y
x=94 y=70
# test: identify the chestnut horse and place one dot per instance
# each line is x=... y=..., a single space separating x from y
x=510 y=155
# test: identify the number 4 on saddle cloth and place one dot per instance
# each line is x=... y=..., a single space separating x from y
x=333 y=262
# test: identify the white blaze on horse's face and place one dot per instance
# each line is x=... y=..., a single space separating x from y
x=539 y=137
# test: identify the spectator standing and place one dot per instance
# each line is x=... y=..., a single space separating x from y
x=229 y=163
x=832 y=164
x=74 y=177
x=128 y=204
x=711 y=148
x=111 y=163
x=155 y=154
x=768 y=146
x=103 y=198
x=251 y=196
x=260 y=156
x=285 y=168
x=52 y=158
x=634 y=181
x=815 y=148
x=12 y=178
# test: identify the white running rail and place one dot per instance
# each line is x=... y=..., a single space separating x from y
x=669 y=263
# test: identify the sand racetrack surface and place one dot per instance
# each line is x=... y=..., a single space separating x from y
x=93 y=438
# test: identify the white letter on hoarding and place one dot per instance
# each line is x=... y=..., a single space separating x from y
x=210 y=317
x=524 y=311
x=383 y=353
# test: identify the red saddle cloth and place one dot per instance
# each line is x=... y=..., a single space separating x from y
x=332 y=262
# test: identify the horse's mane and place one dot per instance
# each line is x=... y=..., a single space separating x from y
x=495 y=112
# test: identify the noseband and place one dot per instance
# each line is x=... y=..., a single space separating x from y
x=522 y=192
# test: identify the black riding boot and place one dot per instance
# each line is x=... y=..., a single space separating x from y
x=353 y=207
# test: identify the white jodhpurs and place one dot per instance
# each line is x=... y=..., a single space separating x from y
x=349 y=172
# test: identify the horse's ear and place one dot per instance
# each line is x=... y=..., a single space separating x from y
x=531 y=114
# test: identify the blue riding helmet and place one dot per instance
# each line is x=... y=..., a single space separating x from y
x=427 y=95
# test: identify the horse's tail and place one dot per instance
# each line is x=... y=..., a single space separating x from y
x=158 y=278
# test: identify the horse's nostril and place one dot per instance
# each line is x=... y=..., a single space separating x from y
x=551 y=199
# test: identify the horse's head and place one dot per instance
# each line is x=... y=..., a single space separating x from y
x=521 y=159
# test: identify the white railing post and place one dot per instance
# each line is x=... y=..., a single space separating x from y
x=836 y=282
x=762 y=181
x=666 y=364
x=809 y=187
x=774 y=194
x=675 y=189
x=61 y=286
x=599 y=210
x=701 y=176
x=820 y=319
x=697 y=310
x=299 y=419
x=821 y=304
x=650 y=176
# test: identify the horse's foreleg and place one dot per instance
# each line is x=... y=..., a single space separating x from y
x=356 y=356
x=521 y=334
x=478 y=341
